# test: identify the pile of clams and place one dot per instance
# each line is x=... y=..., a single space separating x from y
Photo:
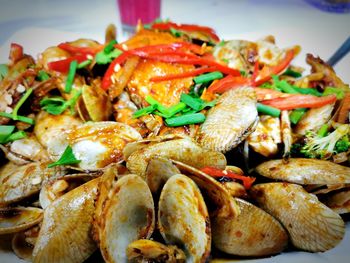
x=160 y=206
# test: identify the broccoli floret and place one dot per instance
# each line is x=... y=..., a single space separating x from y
x=343 y=145
x=325 y=147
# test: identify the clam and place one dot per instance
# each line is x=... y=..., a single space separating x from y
x=126 y=215
x=144 y=250
x=25 y=150
x=184 y=150
x=339 y=201
x=238 y=227
x=24 y=242
x=99 y=144
x=20 y=182
x=65 y=234
x=183 y=218
x=252 y=233
x=158 y=172
x=50 y=131
x=94 y=104
x=224 y=127
x=305 y=171
x=312 y=226
x=16 y=219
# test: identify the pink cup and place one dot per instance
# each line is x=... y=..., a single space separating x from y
x=133 y=10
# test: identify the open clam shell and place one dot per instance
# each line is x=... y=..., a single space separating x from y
x=144 y=250
x=65 y=234
x=20 y=182
x=23 y=243
x=305 y=171
x=183 y=218
x=159 y=170
x=339 y=202
x=16 y=219
x=127 y=215
x=94 y=104
x=252 y=233
x=184 y=150
x=312 y=226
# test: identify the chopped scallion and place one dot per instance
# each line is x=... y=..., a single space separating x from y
x=5 y=132
x=296 y=115
x=194 y=103
x=66 y=158
x=158 y=105
x=292 y=73
x=144 y=111
x=175 y=33
x=268 y=110
x=208 y=77
x=333 y=90
x=185 y=119
x=4 y=70
x=308 y=91
x=70 y=77
x=20 y=103
x=42 y=75
x=108 y=49
x=16 y=136
x=103 y=58
x=84 y=64
x=18 y=118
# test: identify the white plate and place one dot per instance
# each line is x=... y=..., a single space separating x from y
x=35 y=40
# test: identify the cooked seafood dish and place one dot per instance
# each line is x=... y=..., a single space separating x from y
x=171 y=146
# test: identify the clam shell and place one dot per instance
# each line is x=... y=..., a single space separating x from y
x=99 y=144
x=223 y=205
x=230 y=121
x=339 y=202
x=312 y=226
x=184 y=150
x=159 y=170
x=305 y=171
x=23 y=243
x=252 y=233
x=128 y=214
x=144 y=250
x=94 y=104
x=16 y=219
x=183 y=218
x=20 y=182
x=65 y=234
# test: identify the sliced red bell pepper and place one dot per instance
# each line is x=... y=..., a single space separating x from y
x=63 y=65
x=187 y=27
x=266 y=73
x=227 y=83
x=300 y=101
x=217 y=173
x=75 y=50
x=192 y=73
x=16 y=52
x=269 y=94
x=107 y=78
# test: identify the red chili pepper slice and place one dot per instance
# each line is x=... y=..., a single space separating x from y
x=16 y=52
x=217 y=173
x=187 y=27
x=266 y=73
x=192 y=73
x=227 y=83
x=107 y=78
x=63 y=65
x=300 y=101
x=75 y=50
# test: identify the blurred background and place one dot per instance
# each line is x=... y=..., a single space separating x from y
x=291 y=21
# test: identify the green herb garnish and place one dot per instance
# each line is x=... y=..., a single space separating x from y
x=42 y=75
x=4 y=70
x=70 y=77
x=66 y=158
x=186 y=119
x=57 y=105
x=274 y=112
x=208 y=77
